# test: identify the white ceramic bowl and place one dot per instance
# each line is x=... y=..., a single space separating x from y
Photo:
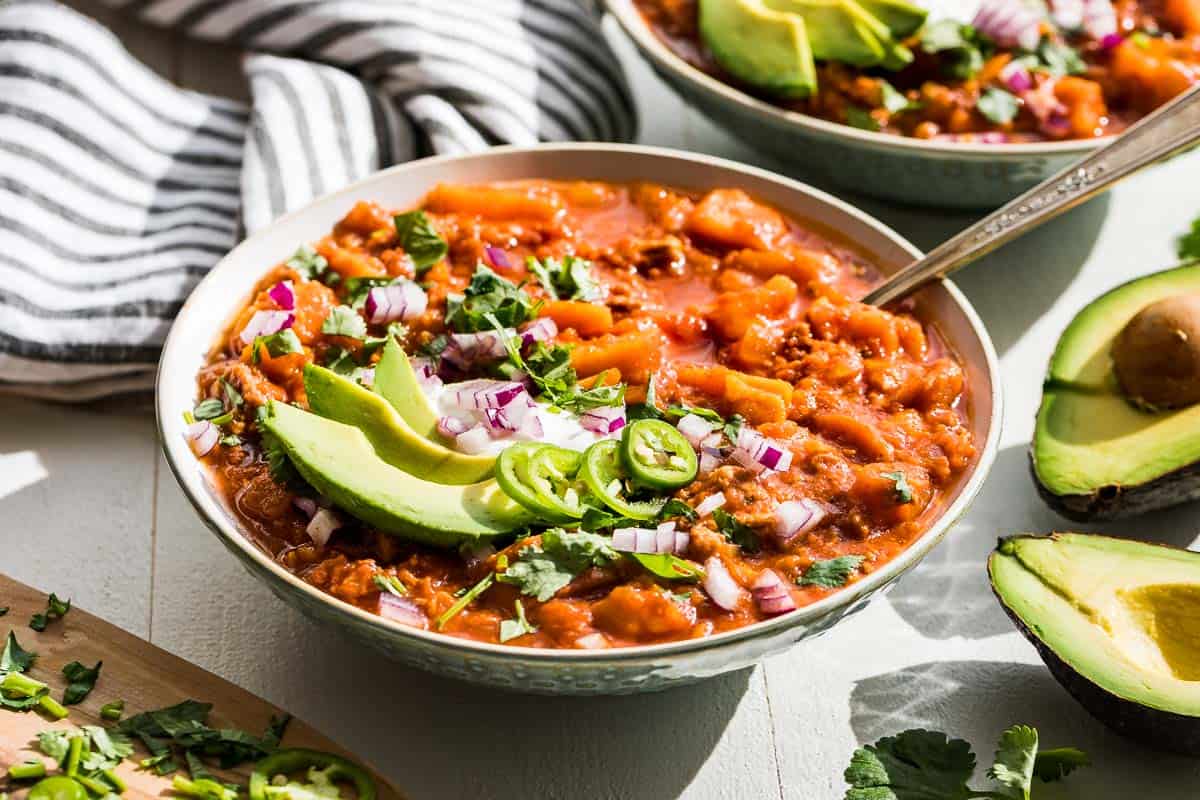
x=907 y=170
x=645 y=668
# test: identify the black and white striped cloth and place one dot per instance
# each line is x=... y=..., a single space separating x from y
x=118 y=190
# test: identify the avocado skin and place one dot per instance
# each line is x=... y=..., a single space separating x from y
x=1157 y=728
x=1119 y=502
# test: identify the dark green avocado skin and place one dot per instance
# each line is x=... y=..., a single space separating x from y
x=1118 y=502
x=1162 y=730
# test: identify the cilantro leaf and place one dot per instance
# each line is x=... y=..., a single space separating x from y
x=1058 y=763
x=670 y=567
x=861 y=118
x=737 y=532
x=595 y=519
x=208 y=409
x=830 y=574
x=233 y=398
x=344 y=321
x=1015 y=755
x=55 y=609
x=962 y=47
x=998 y=105
x=279 y=464
x=568 y=279
x=357 y=289
x=518 y=626
x=80 y=680
x=915 y=765
x=541 y=570
x=420 y=241
x=677 y=508
x=277 y=344
x=54 y=743
x=3 y=610
x=14 y=658
x=489 y=294
x=1060 y=58
x=1188 y=245
x=894 y=100
x=903 y=490
x=308 y=262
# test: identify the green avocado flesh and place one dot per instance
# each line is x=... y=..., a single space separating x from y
x=340 y=463
x=396 y=382
x=342 y=400
x=1117 y=621
x=773 y=44
x=1090 y=445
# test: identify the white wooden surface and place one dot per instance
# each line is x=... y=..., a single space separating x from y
x=89 y=509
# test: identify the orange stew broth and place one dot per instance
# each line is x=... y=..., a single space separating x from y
x=730 y=306
x=1118 y=86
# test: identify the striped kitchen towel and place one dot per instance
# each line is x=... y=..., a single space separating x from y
x=118 y=190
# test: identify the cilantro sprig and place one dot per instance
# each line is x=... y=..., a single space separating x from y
x=421 y=242
x=570 y=278
x=517 y=626
x=540 y=570
x=831 y=573
x=489 y=296
x=55 y=609
x=928 y=765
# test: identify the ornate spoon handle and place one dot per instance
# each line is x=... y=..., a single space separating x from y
x=1169 y=130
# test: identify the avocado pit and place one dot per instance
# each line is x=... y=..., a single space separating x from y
x=1156 y=356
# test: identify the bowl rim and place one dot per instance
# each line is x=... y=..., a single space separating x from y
x=183 y=463
x=662 y=56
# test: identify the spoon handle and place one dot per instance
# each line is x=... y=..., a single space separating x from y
x=1167 y=131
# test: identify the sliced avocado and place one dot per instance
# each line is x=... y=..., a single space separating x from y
x=342 y=400
x=1118 y=624
x=1095 y=455
x=841 y=30
x=340 y=463
x=766 y=49
x=396 y=382
x=902 y=17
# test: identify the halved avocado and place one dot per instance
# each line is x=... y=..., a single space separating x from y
x=1095 y=454
x=842 y=30
x=396 y=382
x=342 y=400
x=341 y=464
x=765 y=48
x=1118 y=624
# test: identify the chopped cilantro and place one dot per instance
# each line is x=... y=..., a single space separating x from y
x=344 y=321
x=3 y=610
x=549 y=367
x=80 y=680
x=894 y=100
x=541 y=570
x=113 y=710
x=13 y=658
x=230 y=440
x=998 y=105
x=831 y=573
x=1059 y=58
x=737 y=532
x=279 y=464
x=670 y=567
x=466 y=599
x=55 y=609
x=420 y=241
x=489 y=296
x=357 y=289
x=962 y=47
x=928 y=765
x=677 y=508
x=308 y=262
x=903 y=490
x=233 y=398
x=1188 y=245
x=595 y=519
x=518 y=626
x=277 y=344
x=734 y=426
x=390 y=584
x=861 y=118
x=568 y=279
x=208 y=409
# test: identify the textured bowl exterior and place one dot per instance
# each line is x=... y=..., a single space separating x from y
x=619 y=670
x=905 y=170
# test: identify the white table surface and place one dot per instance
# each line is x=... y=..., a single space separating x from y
x=89 y=509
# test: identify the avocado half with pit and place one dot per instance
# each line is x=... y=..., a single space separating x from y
x=1100 y=449
x=1118 y=624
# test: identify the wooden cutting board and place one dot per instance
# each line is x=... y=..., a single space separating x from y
x=145 y=676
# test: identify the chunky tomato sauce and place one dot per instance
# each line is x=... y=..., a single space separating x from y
x=1153 y=56
x=728 y=306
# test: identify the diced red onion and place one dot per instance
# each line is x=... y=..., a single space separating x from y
x=307 y=505
x=202 y=437
x=1016 y=77
x=467 y=349
x=424 y=367
x=1099 y=19
x=265 y=323
x=771 y=595
x=664 y=538
x=367 y=378
x=322 y=525
x=531 y=427
x=710 y=504
x=1010 y=23
x=501 y=422
x=603 y=420
x=1112 y=41
x=1058 y=126
x=635 y=540
x=757 y=452
x=497 y=257
x=1067 y=14
x=710 y=459
x=593 y=641
x=402 y=610
x=451 y=427
x=796 y=517
x=483 y=393
x=695 y=428
x=473 y=441
x=284 y=295
x=720 y=585
x=681 y=542
x=542 y=329
x=1042 y=100
x=403 y=300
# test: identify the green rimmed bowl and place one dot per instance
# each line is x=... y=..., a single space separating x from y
x=897 y=168
x=225 y=290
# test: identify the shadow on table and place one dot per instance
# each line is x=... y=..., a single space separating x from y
x=976 y=700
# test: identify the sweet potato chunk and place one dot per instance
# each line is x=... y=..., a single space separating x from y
x=731 y=218
x=495 y=202
x=1182 y=15
x=635 y=355
x=1085 y=104
x=756 y=405
x=588 y=319
x=734 y=312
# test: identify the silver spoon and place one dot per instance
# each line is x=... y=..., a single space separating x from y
x=1168 y=131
